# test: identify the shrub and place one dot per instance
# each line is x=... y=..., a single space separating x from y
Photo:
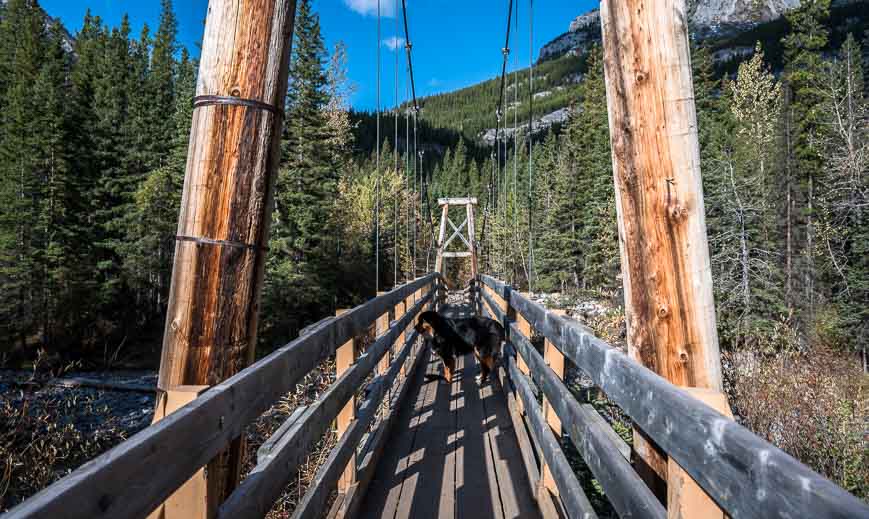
x=813 y=405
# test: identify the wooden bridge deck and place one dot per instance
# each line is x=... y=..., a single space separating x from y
x=452 y=454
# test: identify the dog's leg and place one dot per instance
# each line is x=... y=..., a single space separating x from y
x=486 y=365
x=449 y=368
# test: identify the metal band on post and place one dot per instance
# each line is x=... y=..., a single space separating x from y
x=210 y=100
x=221 y=243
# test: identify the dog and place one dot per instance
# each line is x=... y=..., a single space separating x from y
x=452 y=337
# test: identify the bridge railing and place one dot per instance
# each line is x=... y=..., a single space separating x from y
x=134 y=478
x=745 y=475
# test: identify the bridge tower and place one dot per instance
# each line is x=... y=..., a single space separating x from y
x=464 y=231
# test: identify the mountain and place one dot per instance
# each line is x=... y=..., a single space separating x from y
x=729 y=28
x=68 y=40
x=708 y=19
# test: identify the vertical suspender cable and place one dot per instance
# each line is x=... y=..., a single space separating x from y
x=415 y=168
x=377 y=171
x=515 y=206
x=395 y=151
x=530 y=145
x=407 y=156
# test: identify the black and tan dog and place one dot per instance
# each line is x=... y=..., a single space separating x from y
x=453 y=337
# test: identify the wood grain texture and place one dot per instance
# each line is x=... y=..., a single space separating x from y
x=745 y=475
x=330 y=473
x=575 y=501
x=257 y=493
x=656 y=165
x=232 y=159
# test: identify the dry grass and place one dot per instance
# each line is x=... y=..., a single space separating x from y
x=814 y=405
x=40 y=443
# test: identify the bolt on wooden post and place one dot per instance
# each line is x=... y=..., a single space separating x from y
x=659 y=199
x=211 y=321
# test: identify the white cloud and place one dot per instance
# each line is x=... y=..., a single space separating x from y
x=369 y=7
x=393 y=43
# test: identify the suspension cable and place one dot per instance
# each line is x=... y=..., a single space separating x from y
x=408 y=47
x=377 y=171
x=530 y=145
x=395 y=151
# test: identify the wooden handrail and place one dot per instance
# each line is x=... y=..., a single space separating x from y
x=262 y=487
x=745 y=475
x=574 y=499
x=123 y=482
x=625 y=489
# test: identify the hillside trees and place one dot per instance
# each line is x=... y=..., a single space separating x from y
x=843 y=230
x=742 y=206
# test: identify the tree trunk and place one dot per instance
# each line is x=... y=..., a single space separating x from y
x=669 y=306
x=211 y=321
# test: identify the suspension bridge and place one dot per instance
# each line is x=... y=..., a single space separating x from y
x=410 y=445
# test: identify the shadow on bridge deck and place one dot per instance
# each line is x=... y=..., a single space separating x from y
x=452 y=454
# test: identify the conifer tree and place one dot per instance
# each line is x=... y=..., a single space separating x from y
x=302 y=261
x=803 y=45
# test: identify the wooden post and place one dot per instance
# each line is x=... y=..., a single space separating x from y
x=659 y=199
x=380 y=327
x=226 y=205
x=190 y=501
x=400 y=310
x=555 y=360
x=472 y=237
x=685 y=499
x=439 y=260
x=345 y=357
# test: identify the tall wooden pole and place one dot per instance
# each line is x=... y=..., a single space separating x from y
x=232 y=160
x=659 y=198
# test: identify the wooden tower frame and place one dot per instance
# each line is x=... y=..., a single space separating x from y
x=468 y=240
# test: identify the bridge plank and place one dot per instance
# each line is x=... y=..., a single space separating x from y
x=259 y=490
x=477 y=490
x=574 y=499
x=517 y=498
x=428 y=490
x=384 y=492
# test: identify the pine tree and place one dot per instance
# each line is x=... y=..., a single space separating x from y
x=37 y=238
x=302 y=261
x=804 y=44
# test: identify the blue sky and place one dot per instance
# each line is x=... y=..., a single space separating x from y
x=456 y=43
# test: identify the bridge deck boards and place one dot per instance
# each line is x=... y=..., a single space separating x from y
x=453 y=455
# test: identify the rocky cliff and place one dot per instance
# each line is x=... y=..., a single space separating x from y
x=708 y=19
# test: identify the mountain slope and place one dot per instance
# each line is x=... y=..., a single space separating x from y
x=730 y=28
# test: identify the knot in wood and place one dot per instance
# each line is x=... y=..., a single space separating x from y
x=640 y=77
x=683 y=357
x=235 y=91
x=678 y=211
x=663 y=311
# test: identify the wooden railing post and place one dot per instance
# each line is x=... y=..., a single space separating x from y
x=555 y=360
x=380 y=327
x=190 y=501
x=400 y=310
x=345 y=357
x=669 y=306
